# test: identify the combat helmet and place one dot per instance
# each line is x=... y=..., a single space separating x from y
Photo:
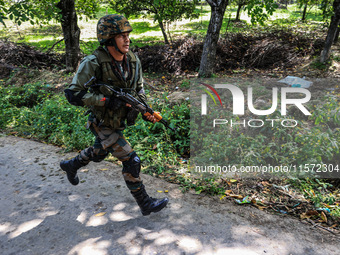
x=111 y=25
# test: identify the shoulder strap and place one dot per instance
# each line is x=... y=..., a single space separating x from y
x=134 y=60
x=132 y=56
x=136 y=75
x=104 y=60
x=102 y=55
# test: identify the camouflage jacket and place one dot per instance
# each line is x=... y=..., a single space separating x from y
x=99 y=64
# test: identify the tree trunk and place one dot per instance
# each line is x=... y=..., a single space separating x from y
x=304 y=12
x=209 y=49
x=331 y=32
x=161 y=25
x=71 y=33
x=239 y=7
x=168 y=28
x=336 y=38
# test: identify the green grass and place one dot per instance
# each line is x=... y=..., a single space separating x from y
x=51 y=29
x=104 y=10
x=313 y=14
x=143 y=27
x=87 y=47
x=44 y=44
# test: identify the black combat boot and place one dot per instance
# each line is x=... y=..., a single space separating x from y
x=148 y=204
x=70 y=167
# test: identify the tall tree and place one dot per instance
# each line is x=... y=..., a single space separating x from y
x=337 y=34
x=240 y=4
x=64 y=11
x=209 y=48
x=71 y=31
x=163 y=11
x=258 y=10
x=332 y=32
x=305 y=4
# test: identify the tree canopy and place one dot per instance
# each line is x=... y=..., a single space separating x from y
x=63 y=11
x=42 y=11
x=67 y=12
x=163 y=11
x=260 y=10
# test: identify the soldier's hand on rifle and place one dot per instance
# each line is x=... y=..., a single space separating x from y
x=150 y=118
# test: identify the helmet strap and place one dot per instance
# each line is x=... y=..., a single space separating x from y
x=116 y=47
x=112 y=42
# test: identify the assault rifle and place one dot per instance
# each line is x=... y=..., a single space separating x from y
x=139 y=106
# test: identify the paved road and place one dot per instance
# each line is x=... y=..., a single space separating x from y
x=41 y=213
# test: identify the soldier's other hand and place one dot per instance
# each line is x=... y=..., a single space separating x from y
x=152 y=118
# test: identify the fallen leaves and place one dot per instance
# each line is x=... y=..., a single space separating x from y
x=228 y=192
x=236 y=196
x=161 y=191
x=100 y=214
x=103 y=169
x=308 y=214
x=282 y=199
x=323 y=217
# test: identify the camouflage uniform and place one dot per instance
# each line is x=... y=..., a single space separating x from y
x=107 y=123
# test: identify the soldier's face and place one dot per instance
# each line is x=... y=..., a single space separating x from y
x=123 y=42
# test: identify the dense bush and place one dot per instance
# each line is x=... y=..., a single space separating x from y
x=276 y=48
x=55 y=121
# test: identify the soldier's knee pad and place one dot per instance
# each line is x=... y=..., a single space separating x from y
x=91 y=154
x=133 y=165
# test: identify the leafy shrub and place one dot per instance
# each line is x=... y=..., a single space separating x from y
x=26 y=95
x=55 y=121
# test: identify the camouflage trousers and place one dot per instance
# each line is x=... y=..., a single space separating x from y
x=113 y=141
